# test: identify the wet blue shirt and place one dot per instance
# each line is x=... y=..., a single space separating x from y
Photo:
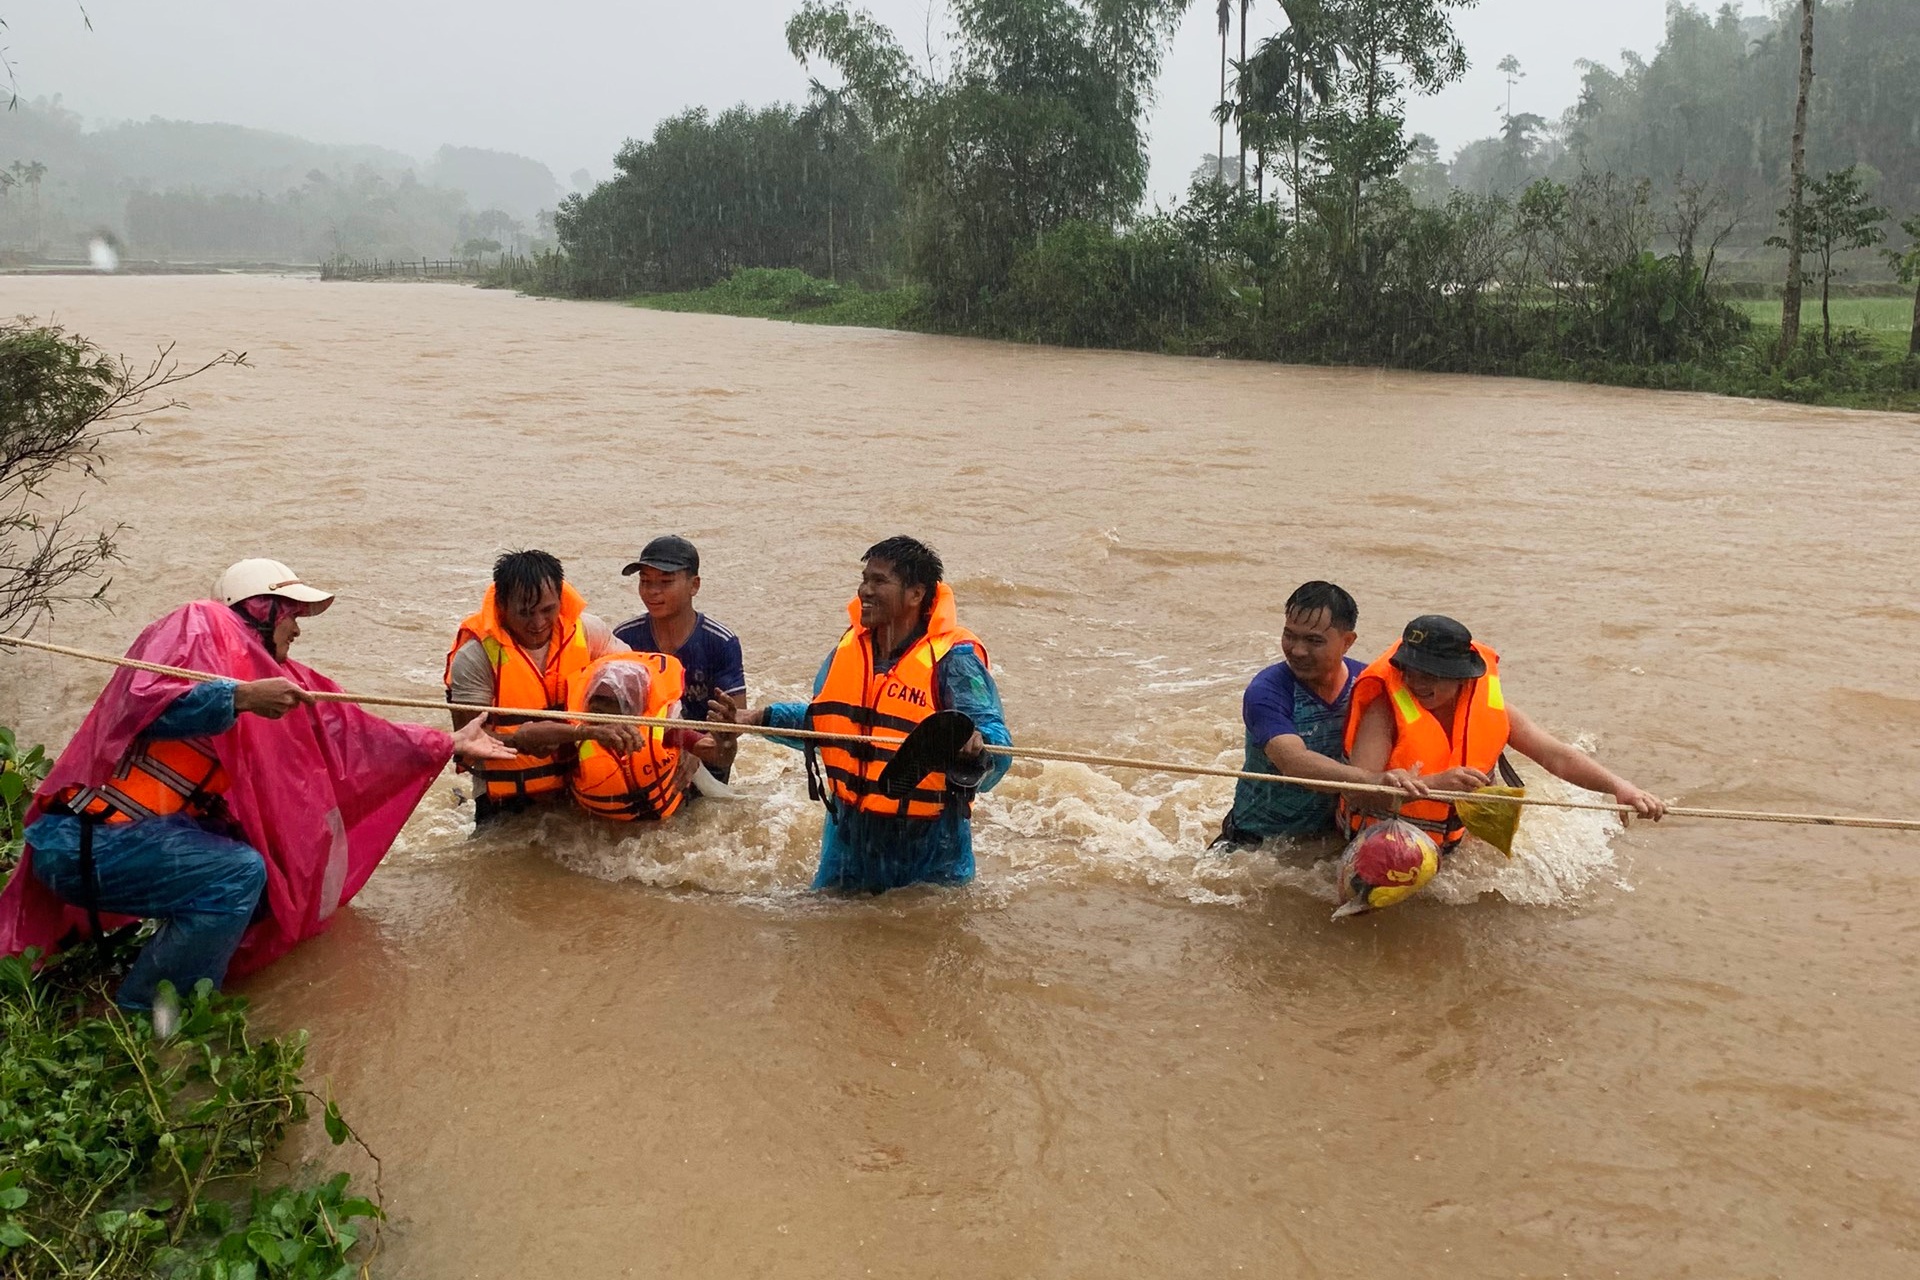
x=872 y=852
x=711 y=657
x=1275 y=706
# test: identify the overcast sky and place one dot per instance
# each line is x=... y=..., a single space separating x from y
x=566 y=81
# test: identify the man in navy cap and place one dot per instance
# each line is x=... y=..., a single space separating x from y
x=669 y=572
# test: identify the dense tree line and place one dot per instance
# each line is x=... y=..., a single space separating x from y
x=1005 y=187
x=363 y=214
x=813 y=188
x=1715 y=103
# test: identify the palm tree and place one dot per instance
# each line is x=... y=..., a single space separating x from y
x=31 y=175
x=1261 y=92
x=826 y=113
x=16 y=176
x=1243 y=62
x=1510 y=68
x=1309 y=58
x=1225 y=16
x=1796 y=214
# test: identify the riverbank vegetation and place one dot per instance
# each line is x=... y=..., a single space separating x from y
x=124 y=1155
x=1000 y=195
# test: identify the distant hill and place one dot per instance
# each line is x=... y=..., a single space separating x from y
x=495 y=179
x=155 y=179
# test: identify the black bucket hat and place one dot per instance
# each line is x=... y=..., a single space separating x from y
x=1441 y=647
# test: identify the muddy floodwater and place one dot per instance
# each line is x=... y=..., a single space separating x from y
x=1678 y=1051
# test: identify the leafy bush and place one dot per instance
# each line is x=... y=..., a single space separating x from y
x=788 y=288
x=61 y=399
x=1085 y=286
x=20 y=772
x=770 y=293
x=118 y=1152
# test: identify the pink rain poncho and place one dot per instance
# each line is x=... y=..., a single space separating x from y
x=320 y=793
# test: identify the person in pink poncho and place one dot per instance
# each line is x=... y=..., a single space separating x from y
x=239 y=813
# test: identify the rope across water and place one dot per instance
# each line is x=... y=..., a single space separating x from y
x=1015 y=753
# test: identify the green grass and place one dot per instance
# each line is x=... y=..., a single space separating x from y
x=787 y=293
x=1875 y=315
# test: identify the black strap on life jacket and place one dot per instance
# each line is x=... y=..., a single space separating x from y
x=89 y=880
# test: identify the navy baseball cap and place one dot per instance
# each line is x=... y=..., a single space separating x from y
x=669 y=553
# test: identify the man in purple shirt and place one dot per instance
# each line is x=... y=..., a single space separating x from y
x=1296 y=717
x=669 y=571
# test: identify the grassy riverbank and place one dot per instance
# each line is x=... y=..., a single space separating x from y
x=769 y=293
x=1869 y=368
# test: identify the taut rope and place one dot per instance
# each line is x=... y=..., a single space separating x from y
x=1014 y=753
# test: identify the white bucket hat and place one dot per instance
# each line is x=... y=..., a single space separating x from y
x=252 y=578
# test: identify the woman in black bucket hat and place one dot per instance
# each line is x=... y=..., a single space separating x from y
x=1433 y=704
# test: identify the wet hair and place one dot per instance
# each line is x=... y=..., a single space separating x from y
x=523 y=575
x=917 y=563
x=1311 y=597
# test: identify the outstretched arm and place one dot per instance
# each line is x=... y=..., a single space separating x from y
x=782 y=715
x=1570 y=764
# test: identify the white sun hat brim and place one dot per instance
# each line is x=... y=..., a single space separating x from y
x=252 y=578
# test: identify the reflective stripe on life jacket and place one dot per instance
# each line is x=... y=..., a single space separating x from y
x=643 y=784
x=157 y=777
x=1478 y=736
x=517 y=682
x=888 y=705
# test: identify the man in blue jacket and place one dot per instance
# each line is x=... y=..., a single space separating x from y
x=903 y=658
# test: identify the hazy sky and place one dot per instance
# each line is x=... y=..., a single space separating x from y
x=566 y=80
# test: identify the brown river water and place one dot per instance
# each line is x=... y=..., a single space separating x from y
x=1687 y=1050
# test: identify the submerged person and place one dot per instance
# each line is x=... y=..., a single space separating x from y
x=531 y=635
x=187 y=803
x=668 y=568
x=649 y=783
x=903 y=658
x=1295 y=713
x=1433 y=705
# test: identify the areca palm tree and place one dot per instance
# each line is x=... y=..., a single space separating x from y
x=827 y=111
x=31 y=175
x=1293 y=73
x=1243 y=59
x=1225 y=16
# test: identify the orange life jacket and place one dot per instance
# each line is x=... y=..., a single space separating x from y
x=517 y=682
x=641 y=785
x=1478 y=737
x=888 y=705
x=157 y=777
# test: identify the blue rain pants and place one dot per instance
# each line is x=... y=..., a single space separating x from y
x=202 y=887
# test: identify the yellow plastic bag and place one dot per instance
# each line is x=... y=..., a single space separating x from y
x=1494 y=822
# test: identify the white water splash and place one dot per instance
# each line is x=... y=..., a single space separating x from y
x=1057 y=824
